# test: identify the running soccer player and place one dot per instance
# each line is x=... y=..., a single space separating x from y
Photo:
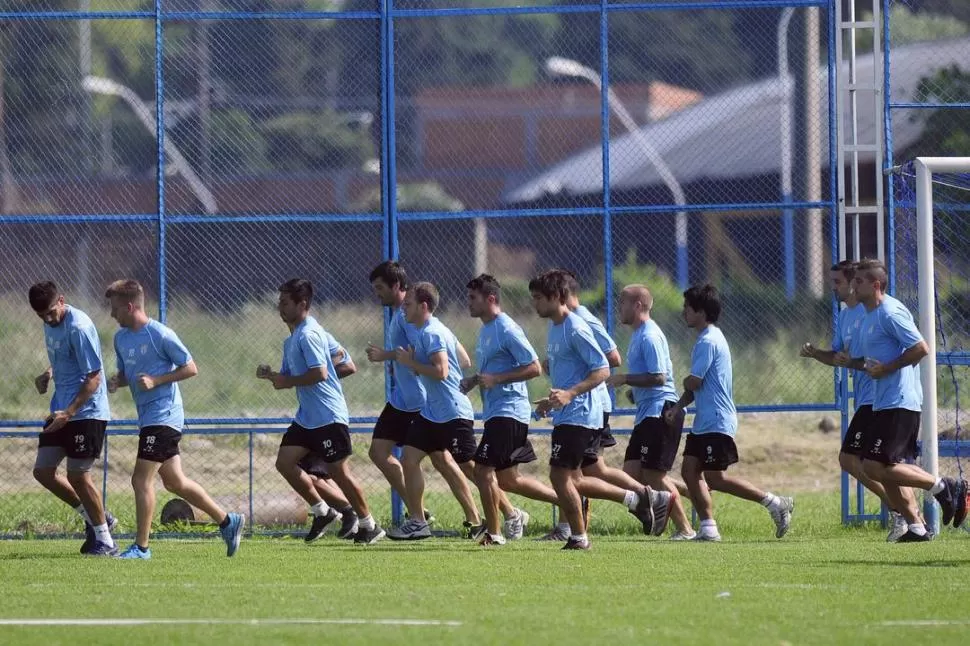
x=505 y=360
x=320 y=423
x=151 y=361
x=78 y=416
x=443 y=430
x=893 y=347
x=710 y=448
x=576 y=366
x=847 y=343
x=653 y=446
x=316 y=467
x=390 y=284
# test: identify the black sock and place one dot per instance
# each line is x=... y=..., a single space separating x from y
x=140 y=548
x=224 y=523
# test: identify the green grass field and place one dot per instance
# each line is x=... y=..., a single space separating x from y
x=822 y=584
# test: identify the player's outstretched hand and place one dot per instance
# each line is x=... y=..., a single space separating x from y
x=263 y=371
x=113 y=383
x=42 y=381
x=374 y=353
x=808 y=350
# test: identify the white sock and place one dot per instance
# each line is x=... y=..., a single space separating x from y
x=918 y=528
x=631 y=499
x=708 y=526
x=578 y=537
x=564 y=527
x=82 y=512
x=320 y=509
x=770 y=501
x=103 y=534
x=938 y=487
x=367 y=522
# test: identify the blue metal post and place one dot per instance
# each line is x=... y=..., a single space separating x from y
x=389 y=203
x=605 y=134
x=160 y=150
x=788 y=226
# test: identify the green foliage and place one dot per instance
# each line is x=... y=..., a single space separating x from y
x=666 y=295
x=315 y=140
x=907 y=26
x=237 y=144
x=421 y=196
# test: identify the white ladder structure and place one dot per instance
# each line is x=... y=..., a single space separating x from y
x=854 y=94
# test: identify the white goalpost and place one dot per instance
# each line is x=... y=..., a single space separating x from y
x=926 y=168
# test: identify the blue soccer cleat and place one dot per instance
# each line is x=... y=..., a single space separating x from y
x=232 y=533
x=135 y=552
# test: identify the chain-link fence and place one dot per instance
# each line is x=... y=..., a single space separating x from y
x=668 y=144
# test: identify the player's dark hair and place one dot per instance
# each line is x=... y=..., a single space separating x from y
x=426 y=293
x=847 y=267
x=299 y=290
x=875 y=269
x=390 y=273
x=572 y=283
x=486 y=285
x=42 y=295
x=551 y=284
x=704 y=299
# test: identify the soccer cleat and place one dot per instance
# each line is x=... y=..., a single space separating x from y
x=782 y=515
x=368 y=536
x=411 y=530
x=491 y=539
x=102 y=549
x=558 y=534
x=962 y=502
x=703 y=537
x=473 y=532
x=912 y=537
x=232 y=533
x=661 y=510
x=349 y=524
x=898 y=526
x=135 y=552
x=515 y=526
x=681 y=536
x=948 y=499
x=644 y=512
x=321 y=523
x=576 y=544
x=89 y=538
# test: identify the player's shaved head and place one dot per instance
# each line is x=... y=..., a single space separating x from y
x=639 y=293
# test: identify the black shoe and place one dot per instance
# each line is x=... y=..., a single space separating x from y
x=368 y=536
x=576 y=544
x=473 y=532
x=912 y=537
x=962 y=501
x=947 y=499
x=90 y=540
x=321 y=523
x=348 y=525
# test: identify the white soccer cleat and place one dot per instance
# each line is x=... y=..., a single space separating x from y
x=515 y=527
x=898 y=526
x=681 y=536
x=782 y=515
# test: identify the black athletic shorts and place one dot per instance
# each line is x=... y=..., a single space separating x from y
x=331 y=442
x=455 y=436
x=606 y=436
x=859 y=429
x=393 y=424
x=892 y=436
x=505 y=444
x=716 y=451
x=572 y=446
x=314 y=464
x=158 y=443
x=79 y=439
x=655 y=442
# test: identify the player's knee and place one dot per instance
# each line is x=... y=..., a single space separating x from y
x=45 y=476
x=483 y=473
x=78 y=478
x=173 y=483
x=850 y=463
